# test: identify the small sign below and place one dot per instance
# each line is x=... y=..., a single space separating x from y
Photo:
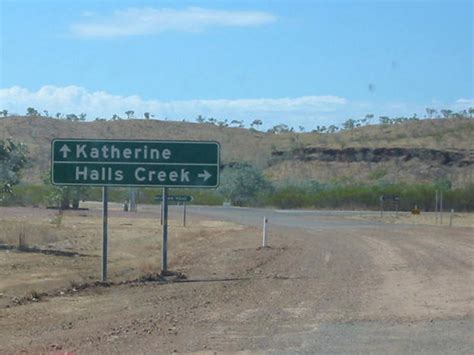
x=175 y=198
x=393 y=198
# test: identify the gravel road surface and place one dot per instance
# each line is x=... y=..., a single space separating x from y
x=327 y=284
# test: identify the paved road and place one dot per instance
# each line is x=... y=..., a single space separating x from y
x=303 y=219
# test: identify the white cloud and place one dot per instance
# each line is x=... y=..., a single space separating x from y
x=464 y=103
x=149 y=21
x=307 y=111
x=75 y=99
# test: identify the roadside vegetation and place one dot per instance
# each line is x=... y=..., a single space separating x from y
x=255 y=173
x=12 y=161
x=260 y=192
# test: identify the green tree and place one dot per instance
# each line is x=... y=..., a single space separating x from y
x=129 y=114
x=4 y=113
x=471 y=112
x=200 y=119
x=280 y=128
x=446 y=113
x=349 y=124
x=65 y=197
x=256 y=123
x=430 y=112
x=12 y=161
x=30 y=111
x=147 y=115
x=242 y=183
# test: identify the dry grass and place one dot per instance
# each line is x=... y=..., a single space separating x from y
x=134 y=247
x=237 y=144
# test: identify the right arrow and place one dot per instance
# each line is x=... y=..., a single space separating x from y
x=205 y=175
x=64 y=149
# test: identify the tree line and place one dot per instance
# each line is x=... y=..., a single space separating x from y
x=280 y=128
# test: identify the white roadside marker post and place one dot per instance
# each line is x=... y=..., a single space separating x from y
x=264 y=239
x=451 y=217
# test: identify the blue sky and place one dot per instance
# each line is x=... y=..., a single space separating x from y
x=295 y=62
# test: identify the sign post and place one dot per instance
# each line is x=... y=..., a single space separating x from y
x=176 y=198
x=164 y=247
x=105 y=216
x=184 y=214
x=134 y=163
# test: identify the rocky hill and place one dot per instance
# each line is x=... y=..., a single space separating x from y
x=413 y=151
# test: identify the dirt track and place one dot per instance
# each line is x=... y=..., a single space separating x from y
x=329 y=285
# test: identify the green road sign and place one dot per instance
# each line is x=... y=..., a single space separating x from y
x=175 y=198
x=135 y=163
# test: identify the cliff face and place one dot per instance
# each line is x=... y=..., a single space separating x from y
x=369 y=165
x=461 y=158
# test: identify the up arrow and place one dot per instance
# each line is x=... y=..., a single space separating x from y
x=64 y=149
x=205 y=175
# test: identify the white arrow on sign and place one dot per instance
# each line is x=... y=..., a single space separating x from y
x=64 y=149
x=205 y=175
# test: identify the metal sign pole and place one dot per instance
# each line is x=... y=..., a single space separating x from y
x=105 y=212
x=161 y=213
x=184 y=214
x=164 y=247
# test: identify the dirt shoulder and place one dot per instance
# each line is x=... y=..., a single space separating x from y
x=370 y=288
